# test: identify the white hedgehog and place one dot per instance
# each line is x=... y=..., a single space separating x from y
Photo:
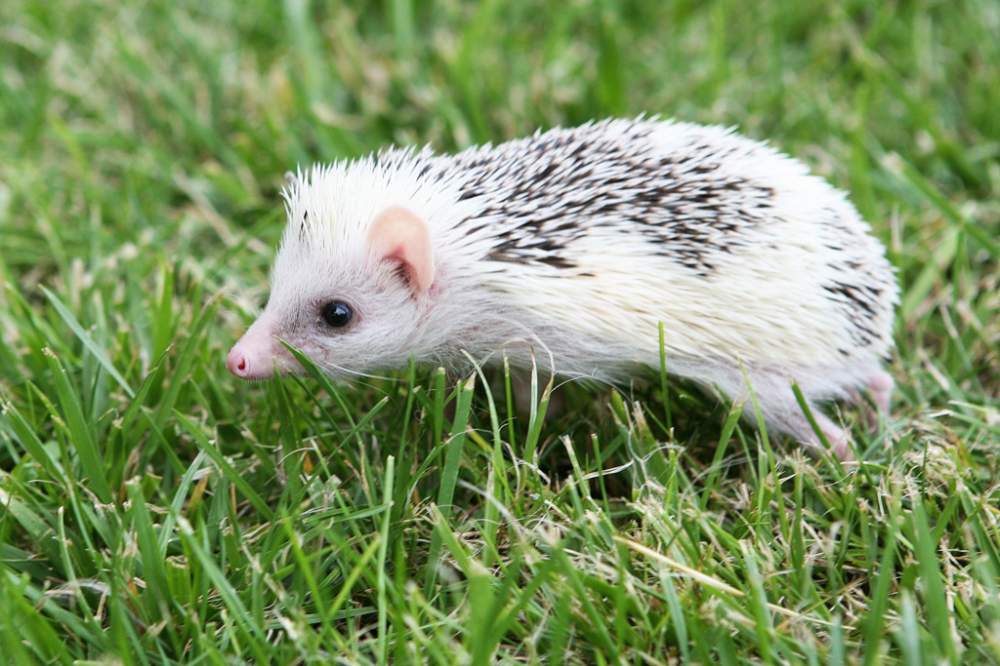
x=580 y=242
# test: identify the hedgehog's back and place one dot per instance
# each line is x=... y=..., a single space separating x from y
x=735 y=247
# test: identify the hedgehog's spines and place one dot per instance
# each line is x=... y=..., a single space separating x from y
x=669 y=202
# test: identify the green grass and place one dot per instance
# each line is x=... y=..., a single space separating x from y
x=155 y=510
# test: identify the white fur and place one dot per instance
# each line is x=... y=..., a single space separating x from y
x=761 y=309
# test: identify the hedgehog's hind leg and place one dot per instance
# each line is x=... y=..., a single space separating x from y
x=784 y=414
x=838 y=438
x=780 y=409
x=880 y=386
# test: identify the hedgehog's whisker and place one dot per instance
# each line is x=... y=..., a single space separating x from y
x=328 y=365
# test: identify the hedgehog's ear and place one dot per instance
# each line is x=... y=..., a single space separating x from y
x=399 y=235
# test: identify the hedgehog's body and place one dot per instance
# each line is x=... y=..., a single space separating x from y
x=576 y=244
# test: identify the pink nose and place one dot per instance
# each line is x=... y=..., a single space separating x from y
x=247 y=365
x=253 y=356
x=237 y=363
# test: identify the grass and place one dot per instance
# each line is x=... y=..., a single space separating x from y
x=154 y=510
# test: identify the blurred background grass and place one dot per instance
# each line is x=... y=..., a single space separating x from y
x=143 y=145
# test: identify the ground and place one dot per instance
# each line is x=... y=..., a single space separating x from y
x=155 y=510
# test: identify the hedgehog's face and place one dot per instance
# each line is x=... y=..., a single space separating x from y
x=351 y=309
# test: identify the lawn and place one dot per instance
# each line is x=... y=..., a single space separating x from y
x=155 y=510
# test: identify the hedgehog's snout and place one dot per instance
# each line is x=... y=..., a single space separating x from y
x=244 y=366
x=257 y=353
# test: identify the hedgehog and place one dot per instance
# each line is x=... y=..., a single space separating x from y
x=581 y=245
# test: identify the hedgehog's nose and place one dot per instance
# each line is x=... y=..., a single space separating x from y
x=248 y=365
x=253 y=356
x=237 y=362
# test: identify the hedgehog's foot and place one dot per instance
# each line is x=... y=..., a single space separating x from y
x=793 y=421
x=786 y=415
x=837 y=437
x=880 y=386
x=781 y=411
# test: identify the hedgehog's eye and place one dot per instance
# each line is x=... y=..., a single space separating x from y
x=336 y=314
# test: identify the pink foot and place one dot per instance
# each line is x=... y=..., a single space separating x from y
x=880 y=386
x=839 y=439
x=840 y=443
